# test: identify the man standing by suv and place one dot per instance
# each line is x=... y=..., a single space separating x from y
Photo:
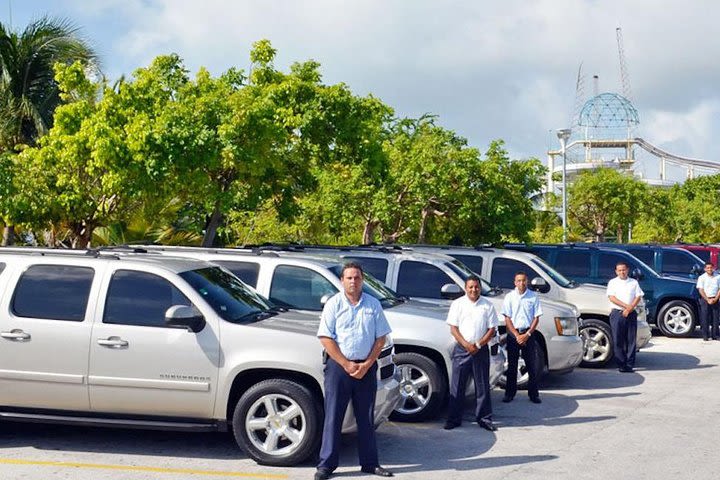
x=522 y=311
x=472 y=321
x=352 y=331
x=708 y=285
x=624 y=294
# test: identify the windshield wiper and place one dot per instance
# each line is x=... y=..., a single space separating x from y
x=256 y=316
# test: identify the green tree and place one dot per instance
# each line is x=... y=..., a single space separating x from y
x=29 y=93
x=498 y=202
x=605 y=200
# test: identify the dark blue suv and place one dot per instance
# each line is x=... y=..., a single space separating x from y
x=671 y=302
x=664 y=260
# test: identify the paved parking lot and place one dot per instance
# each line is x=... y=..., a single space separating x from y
x=660 y=422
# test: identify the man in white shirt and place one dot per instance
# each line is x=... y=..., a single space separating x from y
x=473 y=322
x=708 y=285
x=522 y=311
x=624 y=294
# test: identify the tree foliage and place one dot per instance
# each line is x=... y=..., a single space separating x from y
x=605 y=201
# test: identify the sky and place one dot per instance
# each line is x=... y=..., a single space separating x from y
x=488 y=69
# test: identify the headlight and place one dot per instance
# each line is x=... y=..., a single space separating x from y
x=566 y=326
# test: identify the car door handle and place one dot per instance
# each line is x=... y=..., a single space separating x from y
x=113 y=342
x=16 y=335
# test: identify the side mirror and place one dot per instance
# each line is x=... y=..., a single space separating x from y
x=539 y=285
x=325 y=298
x=451 y=291
x=182 y=316
x=697 y=270
x=637 y=274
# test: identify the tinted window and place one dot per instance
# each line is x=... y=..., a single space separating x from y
x=373 y=287
x=245 y=271
x=231 y=299
x=299 y=287
x=607 y=263
x=2 y=267
x=573 y=263
x=473 y=262
x=504 y=270
x=139 y=298
x=675 y=261
x=543 y=253
x=645 y=255
x=54 y=292
x=418 y=279
x=703 y=254
x=377 y=267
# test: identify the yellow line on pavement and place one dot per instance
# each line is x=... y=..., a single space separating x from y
x=188 y=471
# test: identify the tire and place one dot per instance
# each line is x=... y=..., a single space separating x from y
x=677 y=318
x=522 y=377
x=598 y=348
x=287 y=435
x=423 y=387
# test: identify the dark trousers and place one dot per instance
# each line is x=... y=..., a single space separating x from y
x=463 y=364
x=709 y=317
x=529 y=354
x=624 y=332
x=340 y=389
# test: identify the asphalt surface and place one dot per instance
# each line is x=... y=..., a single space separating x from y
x=660 y=422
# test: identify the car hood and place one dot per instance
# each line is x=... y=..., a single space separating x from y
x=292 y=321
x=420 y=309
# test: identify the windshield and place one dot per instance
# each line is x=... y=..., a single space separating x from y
x=227 y=295
x=464 y=272
x=557 y=276
x=373 y=287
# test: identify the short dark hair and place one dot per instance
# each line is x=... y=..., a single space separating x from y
x=622 y=262
x=709 y=263
x=349 y=265
x=520 y=272
x=472 y=278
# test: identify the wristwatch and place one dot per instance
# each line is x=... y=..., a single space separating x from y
x=529 y=333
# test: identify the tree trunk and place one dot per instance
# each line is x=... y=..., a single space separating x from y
x=369 y=231
x=423 y=225
x=212 y=226
x=8 y=236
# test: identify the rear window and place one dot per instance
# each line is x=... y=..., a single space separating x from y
x=245 y=271
x=705 y=255
x=53 y=292
x=645 y=255
x=573 y=263
x=473 y=262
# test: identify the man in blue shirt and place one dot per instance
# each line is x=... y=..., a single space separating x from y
x=352 y=331
x=522 y=311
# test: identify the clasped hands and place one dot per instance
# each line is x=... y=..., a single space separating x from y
x=357 y=370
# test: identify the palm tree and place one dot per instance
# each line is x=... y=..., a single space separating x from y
x=28 y=91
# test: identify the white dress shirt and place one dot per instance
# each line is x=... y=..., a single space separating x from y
x=709 y=283
x=624 y=290
x=473 y=319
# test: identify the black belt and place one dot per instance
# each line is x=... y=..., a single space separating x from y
x=522 y=331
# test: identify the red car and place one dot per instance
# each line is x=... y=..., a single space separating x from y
x=708 y=253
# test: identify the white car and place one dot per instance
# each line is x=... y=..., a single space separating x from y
x=422 y=339
x=143 y=341
x=498 y=266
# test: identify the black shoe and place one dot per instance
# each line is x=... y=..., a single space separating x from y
x=507 y=399
x=487 y=426
x=379 y=471
x=535 y=399
x=322 y=474
x=706 y=339
x=626 y=370
x=450 y=425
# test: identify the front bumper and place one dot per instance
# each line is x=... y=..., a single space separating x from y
x=564 y=353
x=387 y=396
x=644 y=334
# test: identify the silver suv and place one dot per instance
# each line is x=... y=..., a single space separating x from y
x=162 y=343
x=421 y=338
x=436 y=279
x=498 y=266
